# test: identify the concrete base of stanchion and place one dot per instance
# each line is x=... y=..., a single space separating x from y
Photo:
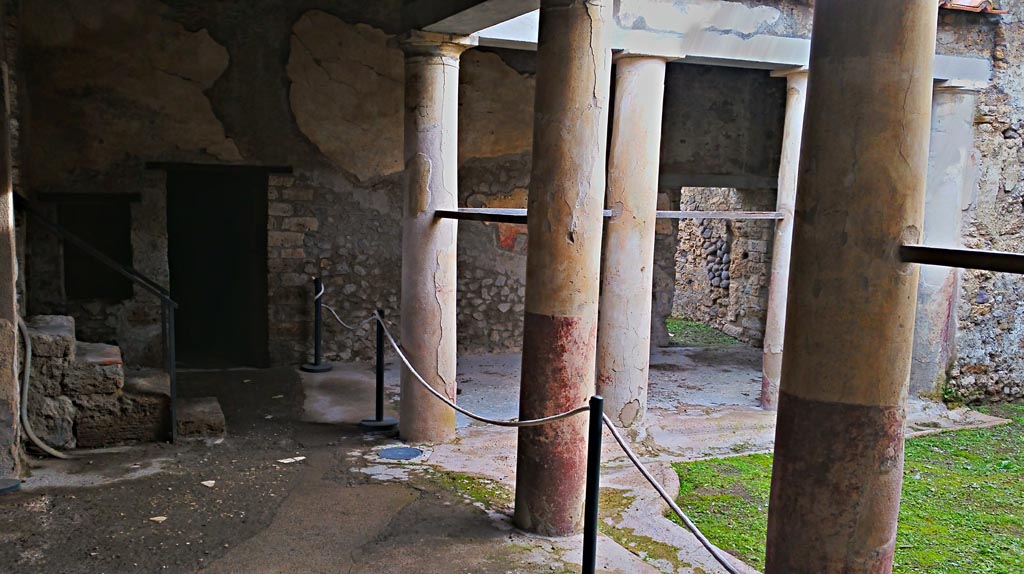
x=385 y=424
x=316 y=368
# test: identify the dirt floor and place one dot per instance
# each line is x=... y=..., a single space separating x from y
x=94 y=514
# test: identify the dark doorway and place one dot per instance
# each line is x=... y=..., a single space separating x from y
x=217 y=252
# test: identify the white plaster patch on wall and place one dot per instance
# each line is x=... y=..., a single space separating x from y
x=680 y=17
x=346 y=93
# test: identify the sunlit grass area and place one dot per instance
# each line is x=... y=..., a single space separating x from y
x=686 y=333
x=962 y=510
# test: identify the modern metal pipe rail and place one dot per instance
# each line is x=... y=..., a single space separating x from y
x=519 y=216
x=167 y=304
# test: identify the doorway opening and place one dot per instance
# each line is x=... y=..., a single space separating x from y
x=217 y=254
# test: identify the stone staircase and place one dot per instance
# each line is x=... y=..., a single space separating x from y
x=82 y=396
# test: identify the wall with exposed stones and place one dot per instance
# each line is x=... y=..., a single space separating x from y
x=723 y=267
x=314 y=85
x=990 y=329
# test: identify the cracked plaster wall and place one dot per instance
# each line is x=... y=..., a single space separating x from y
x=311 y=84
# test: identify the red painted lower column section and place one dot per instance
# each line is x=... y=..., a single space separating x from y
x=867 y=473
x=558 y=375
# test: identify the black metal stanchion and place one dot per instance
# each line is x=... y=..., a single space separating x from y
x=379 y=422
x=318 y=365
x=593 y=492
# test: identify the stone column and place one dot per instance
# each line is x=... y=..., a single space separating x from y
x=428 y=244
x=778 y=287
x=566 y=201
x=839 y=440
x=951 y=179
x=627 y=275
x=10 y=428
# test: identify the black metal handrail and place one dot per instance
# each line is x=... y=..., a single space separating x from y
x=167 y=304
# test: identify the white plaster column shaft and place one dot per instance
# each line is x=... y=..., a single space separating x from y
x=428 y=243
x=778 y=289
x=627 y=274
x=952 y=175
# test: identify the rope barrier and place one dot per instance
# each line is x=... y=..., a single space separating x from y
x=457 y=408
x=714 y=551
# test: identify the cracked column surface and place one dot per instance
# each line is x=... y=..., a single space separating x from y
x=778 y=290
x=952 y=175
x=428 y=244
x=10 y=429
x=627 y=275
x=839 y=440
x=563 y=260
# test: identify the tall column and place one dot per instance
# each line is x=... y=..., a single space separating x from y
x=10 y=428
x=778 y=287
x=563 y=262
x=839 y=439
x=951 y=180
x=428 y=244
x=624 y=320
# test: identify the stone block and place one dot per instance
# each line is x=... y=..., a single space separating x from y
x=280 y=209
x=297 y=194
x=53 y=420
x=300 y=224
x=285 y=239
x=200 y=418
x=128 y=417
x=97 y=369
x=52 y=335
x=47 y=375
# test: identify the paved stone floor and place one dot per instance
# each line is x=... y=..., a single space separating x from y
x=345 y=509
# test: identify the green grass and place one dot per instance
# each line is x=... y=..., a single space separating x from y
x=962 y=509
x=687 y=333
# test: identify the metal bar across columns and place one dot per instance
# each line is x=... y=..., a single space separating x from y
x=999 y=261
x=512 y=215
x=838 y=465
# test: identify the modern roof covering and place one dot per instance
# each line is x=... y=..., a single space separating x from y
x=986 y=6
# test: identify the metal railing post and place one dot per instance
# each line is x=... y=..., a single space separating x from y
x=170 y=360
x=317 y=366
x=593 y=492
x=379 y=422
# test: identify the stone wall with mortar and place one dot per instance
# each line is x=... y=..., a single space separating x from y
x=723 y=267
x=990 y=330
x=315 y=85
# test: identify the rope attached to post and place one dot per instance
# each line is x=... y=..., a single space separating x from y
x=712 y=549
x=457 y=408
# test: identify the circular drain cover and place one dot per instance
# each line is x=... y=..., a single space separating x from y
x=400 y=453
x=9 y=485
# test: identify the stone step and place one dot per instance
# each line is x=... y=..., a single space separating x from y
x=52 y=336
x=139 y=412
x=53 y=420
x=200 y=418
x=96 y=369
